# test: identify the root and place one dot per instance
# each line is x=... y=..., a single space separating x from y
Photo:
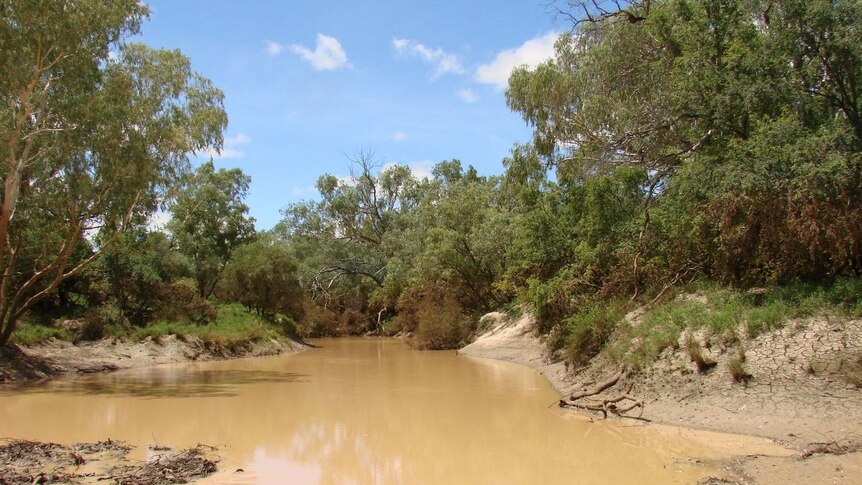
x=619 y=405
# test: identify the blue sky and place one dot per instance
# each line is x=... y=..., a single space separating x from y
x=309 y=83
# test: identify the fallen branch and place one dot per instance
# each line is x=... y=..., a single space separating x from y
x=599 y=388
x=611 y=405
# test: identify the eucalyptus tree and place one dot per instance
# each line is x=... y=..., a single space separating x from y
x=209 y=220
x=347 y=236
x=93 y=129
x=262 y=275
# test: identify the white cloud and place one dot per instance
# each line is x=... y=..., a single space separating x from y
x=420 y=169
x=467 y=95
x=158 y=220
x=328 y=55
x=274 y=48
x=399 y=136
x=230 y=149
x=297 y=191
x=531 y=53
x=443 y=62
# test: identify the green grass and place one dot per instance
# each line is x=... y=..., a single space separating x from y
x=724 y=311
x=29 y=333
x=233 y=325
x=590 y=329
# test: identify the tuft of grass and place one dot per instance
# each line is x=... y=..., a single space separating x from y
x=736 y=366
x=695 y=352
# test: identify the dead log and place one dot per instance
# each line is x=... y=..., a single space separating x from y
x=610 y=405
x=600 y=388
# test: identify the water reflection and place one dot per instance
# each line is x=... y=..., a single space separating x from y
x=159 y=382
x=359 y=411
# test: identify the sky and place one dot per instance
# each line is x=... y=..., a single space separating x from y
x=308 y=84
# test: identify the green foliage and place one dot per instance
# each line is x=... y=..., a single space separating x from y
x=262 y=276
x=588 y=330
x=95 y=130
x=209 y=221
x=233 y=325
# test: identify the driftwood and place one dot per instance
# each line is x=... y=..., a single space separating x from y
x=618 y=405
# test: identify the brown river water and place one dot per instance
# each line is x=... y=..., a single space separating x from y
x=366 y=411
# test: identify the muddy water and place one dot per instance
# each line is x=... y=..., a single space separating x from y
x=365 y=411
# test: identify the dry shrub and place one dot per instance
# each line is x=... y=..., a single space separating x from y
x=777 y=237
x=352 y=322
x=180 y=302
x=317 y=321
x=435 y=317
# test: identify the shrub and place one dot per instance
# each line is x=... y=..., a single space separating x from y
x=590 y=329
x=438 y=320
x=180 y=302
x=102 y=320
x=317 y=322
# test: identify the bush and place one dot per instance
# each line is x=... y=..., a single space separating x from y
x=317 y=322
x=180 y=302
x=590 y=329
x=436 y=317
x=103 y=320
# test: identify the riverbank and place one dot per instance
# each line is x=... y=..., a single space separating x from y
x=56 y=357
x=27 y=462
x=792 y=397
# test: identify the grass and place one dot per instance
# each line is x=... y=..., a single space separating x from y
x=730 y=315
x=736 y=366
x=29 y=333
x=233 y=325
x=589 y=330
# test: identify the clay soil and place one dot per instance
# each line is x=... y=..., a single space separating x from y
x=57 y=357
x=797 y=395
x=30 y=462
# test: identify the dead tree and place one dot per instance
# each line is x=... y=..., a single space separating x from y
x=619 y=405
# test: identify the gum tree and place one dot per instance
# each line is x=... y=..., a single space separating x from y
x=92 y=130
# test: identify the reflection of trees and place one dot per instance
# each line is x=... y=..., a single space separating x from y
x=359 y=412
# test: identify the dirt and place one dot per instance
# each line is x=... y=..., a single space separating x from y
x=32 y=462
x=57 y=357
x=798 y=395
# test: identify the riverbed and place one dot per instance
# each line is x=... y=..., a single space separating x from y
x=366 y=411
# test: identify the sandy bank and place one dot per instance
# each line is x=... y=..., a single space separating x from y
x=57 y=357
x=810 y=411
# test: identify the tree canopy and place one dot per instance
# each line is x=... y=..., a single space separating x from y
x=93 y=130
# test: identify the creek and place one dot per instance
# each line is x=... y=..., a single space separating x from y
x=365 y=411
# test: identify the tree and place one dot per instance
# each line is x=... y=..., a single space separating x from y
x=93 y=129
x=348 y=233
x=262 y=276
x=209 y=220
x=136 y=268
